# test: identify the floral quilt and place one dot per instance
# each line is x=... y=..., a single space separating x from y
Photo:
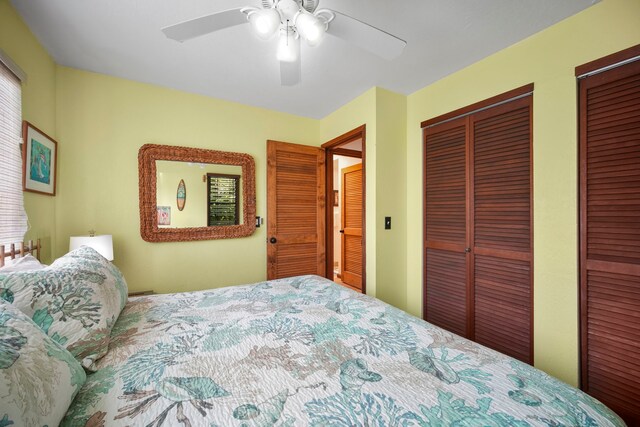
x=305 y=351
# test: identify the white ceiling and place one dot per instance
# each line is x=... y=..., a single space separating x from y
x=123 y=39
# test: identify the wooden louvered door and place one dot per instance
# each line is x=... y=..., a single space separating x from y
x=351 y=233
x=446 y=271
x=478 y=223
x=501 y=241
x=295 y=210
x=610 y=238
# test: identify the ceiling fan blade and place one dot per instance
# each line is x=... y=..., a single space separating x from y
x=366 y=37
x=204 y=25
x=290 y=72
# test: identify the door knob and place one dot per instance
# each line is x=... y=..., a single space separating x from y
x=341 y=231
x=273 y=240
x=467 y=250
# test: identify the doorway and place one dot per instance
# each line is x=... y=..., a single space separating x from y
x=346 y=212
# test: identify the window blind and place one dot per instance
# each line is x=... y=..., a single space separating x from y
x=223 y=199
x=13 y=218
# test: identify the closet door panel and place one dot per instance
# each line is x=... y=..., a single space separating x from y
x=351 y=216
x=446 y=273
x=446 y=293
x=502 y=302
x=610 y=238
x=502 y=179
x=502 y=228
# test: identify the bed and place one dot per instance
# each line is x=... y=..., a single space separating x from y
x=306 y=351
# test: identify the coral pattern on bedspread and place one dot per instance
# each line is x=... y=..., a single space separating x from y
x=305 y=351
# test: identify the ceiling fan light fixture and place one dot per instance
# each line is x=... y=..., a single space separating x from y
x=292 y=20
x=288 y=45
x=288 y=8
x=265 y=22
x=310 y=27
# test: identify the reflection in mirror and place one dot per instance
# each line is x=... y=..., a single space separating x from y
x=216 y=193
x=213 y=193
x=223 y=196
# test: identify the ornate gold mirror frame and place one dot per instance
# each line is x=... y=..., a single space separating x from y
x=147 y=173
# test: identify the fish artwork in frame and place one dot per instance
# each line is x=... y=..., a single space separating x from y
x=39 y=158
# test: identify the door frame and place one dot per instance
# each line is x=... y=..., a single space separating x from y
x=332 y=148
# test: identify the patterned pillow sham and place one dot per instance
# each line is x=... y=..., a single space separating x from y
x=75 y=301
x=38 y=378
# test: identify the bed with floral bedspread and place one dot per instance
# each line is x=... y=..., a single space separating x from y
x=305 y=351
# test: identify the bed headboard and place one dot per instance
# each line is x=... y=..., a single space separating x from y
x=9 y=251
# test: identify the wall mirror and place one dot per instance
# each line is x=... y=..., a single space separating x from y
x=195 y=194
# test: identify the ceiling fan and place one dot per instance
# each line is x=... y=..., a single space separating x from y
x=292 y=20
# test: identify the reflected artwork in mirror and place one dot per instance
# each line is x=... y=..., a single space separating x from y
x=221 y=193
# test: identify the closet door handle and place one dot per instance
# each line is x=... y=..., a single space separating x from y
x=341 y=231
x=467 y=250
x=273 y=240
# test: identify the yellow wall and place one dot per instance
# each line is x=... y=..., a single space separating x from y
x=38 y=107
x=547 y=59
x=108 y=119
x=103 y=121
x=391 y=148
x=384 y=113
x=361 y=110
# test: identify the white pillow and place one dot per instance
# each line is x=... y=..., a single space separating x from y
x=25 y=263
x=38 y=377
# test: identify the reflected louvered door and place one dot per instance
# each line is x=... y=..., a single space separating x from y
x=445 y=189
x=295 y=210
x=501 y=241
x=610 y=238
x=351 y=233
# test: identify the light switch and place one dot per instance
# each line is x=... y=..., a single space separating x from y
x=387 y=223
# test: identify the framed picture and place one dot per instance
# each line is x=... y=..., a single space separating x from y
x=39 y=155
x=164 y=215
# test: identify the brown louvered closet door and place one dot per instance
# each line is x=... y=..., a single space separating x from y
x=502 y=228
x=446 y=226
x=478 y=224
x=610 y=238
x=295 y=210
